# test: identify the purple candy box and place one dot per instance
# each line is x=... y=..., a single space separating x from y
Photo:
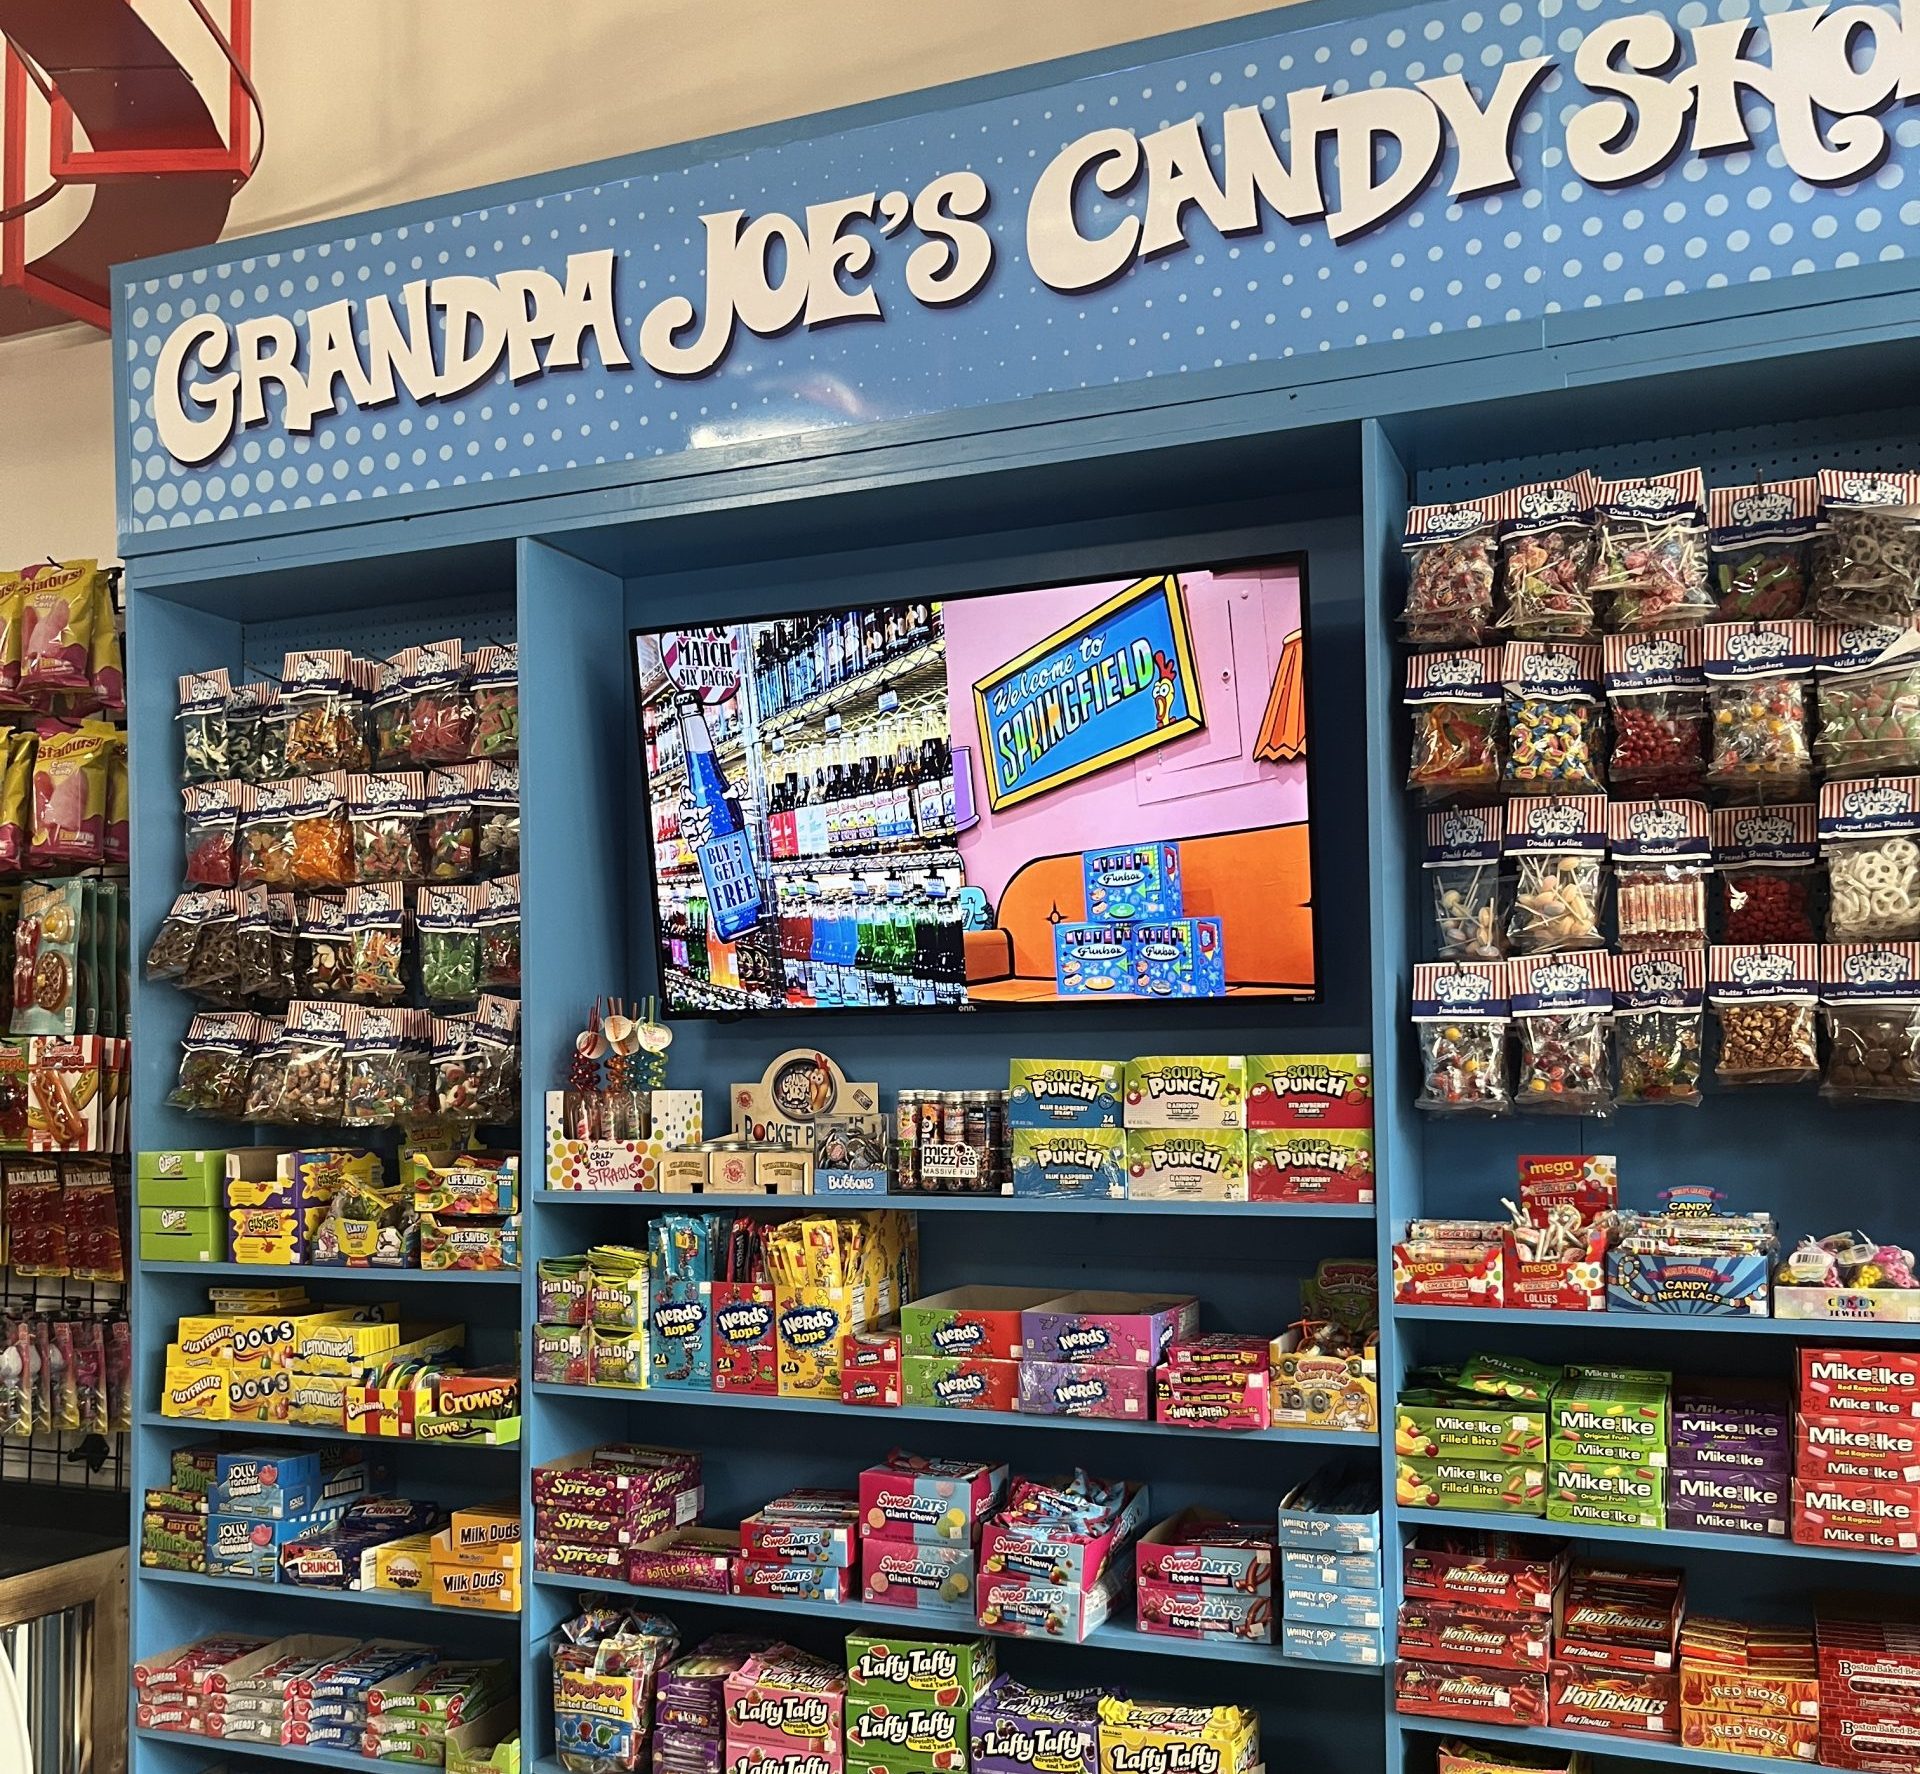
x=1109 y=1329
x=1015 y=1729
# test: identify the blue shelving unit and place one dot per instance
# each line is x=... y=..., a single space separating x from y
x=1319 y=451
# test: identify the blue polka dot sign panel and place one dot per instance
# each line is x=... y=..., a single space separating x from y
x=1388 y=174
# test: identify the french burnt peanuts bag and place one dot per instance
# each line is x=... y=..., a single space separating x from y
x=1767 y=862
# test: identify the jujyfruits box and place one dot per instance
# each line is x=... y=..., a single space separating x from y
x=1057 y=1161
x=907 y=1497
x=1310 y=1090
x=962 y=1383
x=1186 y=1164
x=1427 y=1425
x=1131 y=882
x=1064 y=1093
x=1621 y=1492
x=1333 y=1164
x=1507 y=1486
x=1187 y=1090
x=946 y=1673
x=974 y=1321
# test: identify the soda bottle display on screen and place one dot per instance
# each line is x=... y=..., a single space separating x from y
x=718 y=832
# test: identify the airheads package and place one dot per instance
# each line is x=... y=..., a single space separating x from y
x=1186 y=1164
x=1132 y=882
x=1090 y=1161
x=1181 y=958
x=1187 y=1090
x=1332 y=1164
x=1064 y=1093
x=1310 y=1090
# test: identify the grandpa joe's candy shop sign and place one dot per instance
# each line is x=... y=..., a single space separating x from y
x=1391 y=174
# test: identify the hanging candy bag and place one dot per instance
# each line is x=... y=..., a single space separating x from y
x=215 y=1059
x=1451 y=551
x=377 y=919
x=452 y=840
x=1867 y=561
x=1557 y=849
x=1870 y=997
x=70 y=772
x=1870 y=839
x=46 y=958
x=265 y=756
x=1460 y=1014
x=1767 y=862
x=321 y=834
x=253 y=944
x=1463 y=871
x=1763 y=997
x=12 y=596
x=322 y=947
x=496 y=1061
x=16 y=799
x=447 y=919
x=455 y=1085
x=266 y=835
x=1658 y=1026
x=59 y=604
x=267 y=1069
x=1454 y=700
x=212 y=811
x=496 y=812
x=376 y=1090
x=1758 y=678
x=326 y=695
x=389 y=817
x=439 y=711
x=498 y=917
x=1546 y=559
x=119 y=802
x=1553 y=712
x=313 y=1079
x=1867 y=697
x=214 y=971
x=390 y=738
x=171 y=952
x=1662 y=853
x=495 y=684
x=106 y=670
x=1657 y=698
x=1560 y=1007
x=205 y=753
x=1760 y=537
x=1650 y=552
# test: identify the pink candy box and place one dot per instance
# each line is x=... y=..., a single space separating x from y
x=783 y=1702
x=1221 y=1350
x=1081 y=1389
x=1057 y=1555
x=917 y=1574
x=908 y=1497
x=1201 y=1400
x=1198 y=1549
x=1028 y=1607
x=1108 y=1329
x=1178 y=1612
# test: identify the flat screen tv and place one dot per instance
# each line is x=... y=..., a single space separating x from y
x=1046 y=795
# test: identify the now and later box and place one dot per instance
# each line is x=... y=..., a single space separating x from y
x=1303 y=1090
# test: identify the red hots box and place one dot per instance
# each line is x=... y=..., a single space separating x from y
x=1868 y=1517
x=1634 y=1703
x=1860 y=1382
x=1729 y=1666
x=1438 y=1632
x=1500 y=1573
x=1855 y=1450
x=1460 y=1691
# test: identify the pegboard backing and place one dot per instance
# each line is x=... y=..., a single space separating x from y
x=1885 y=439
x=67 y=1460
x=479 y=621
